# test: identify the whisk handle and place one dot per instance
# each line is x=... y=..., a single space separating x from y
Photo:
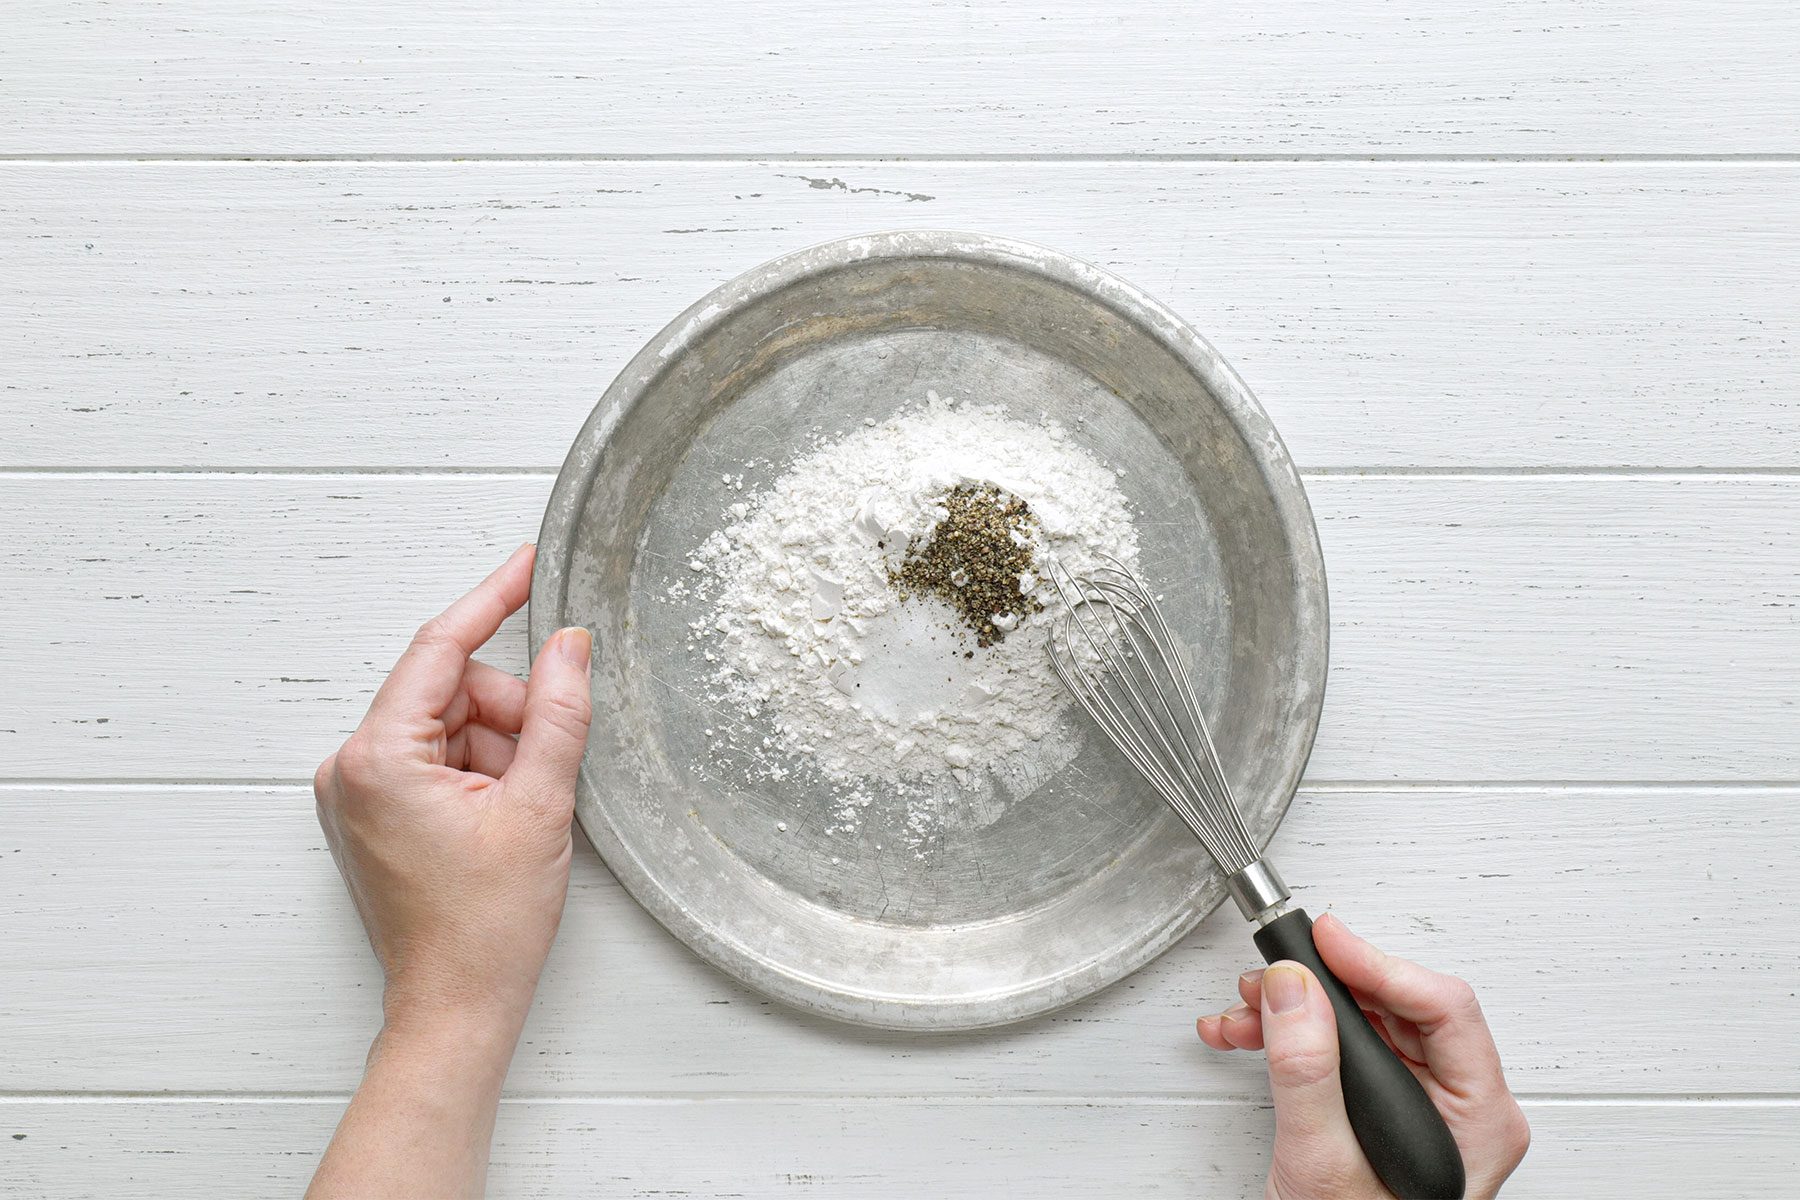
x=1402 y=1133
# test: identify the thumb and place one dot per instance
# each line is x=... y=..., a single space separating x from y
x=1316 y=1153
x=554 y=732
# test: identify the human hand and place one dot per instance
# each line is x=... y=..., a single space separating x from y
x=448 y=812
x=1432 y=1021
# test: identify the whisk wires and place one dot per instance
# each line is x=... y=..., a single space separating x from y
x=1116 y=655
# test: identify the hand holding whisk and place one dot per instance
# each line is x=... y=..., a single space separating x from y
x=1114 y=651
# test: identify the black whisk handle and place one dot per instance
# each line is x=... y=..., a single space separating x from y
x=1402 y=1133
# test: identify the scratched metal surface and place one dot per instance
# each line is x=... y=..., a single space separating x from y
x=1031 y=896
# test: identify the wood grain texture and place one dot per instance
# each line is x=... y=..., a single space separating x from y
x=198 y=939
x=184 y=992
x=861 y=1150
x=909 y=77
x=470 y=314
x=195 y=627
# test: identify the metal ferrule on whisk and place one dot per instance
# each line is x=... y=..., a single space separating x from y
x=1259 y=891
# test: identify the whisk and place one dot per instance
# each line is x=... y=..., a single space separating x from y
x=1112 y=649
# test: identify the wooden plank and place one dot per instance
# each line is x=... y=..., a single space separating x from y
x=470 y=314
x=198 y=939
x=197 y=627
x=914 y=77
x=863 y=1150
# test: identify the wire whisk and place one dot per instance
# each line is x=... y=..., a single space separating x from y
x=1115 y=653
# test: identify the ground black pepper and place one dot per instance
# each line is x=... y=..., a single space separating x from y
x=972 y=560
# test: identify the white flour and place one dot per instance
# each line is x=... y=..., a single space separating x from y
x=805 y=629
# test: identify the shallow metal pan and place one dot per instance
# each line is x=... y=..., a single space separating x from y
x=1032 y=897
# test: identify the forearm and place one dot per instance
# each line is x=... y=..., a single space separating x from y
x=420 y=1123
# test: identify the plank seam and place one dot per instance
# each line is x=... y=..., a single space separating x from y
x=826 y=156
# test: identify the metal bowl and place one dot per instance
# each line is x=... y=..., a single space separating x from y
x=1030 y=896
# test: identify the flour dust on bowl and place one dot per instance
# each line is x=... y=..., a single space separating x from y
x=805 y=526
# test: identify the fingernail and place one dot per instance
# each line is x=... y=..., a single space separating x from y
x=1236 y=1012
x=1334 y=918
x=1250 y=978
x=576 y=645
x=1283 y=989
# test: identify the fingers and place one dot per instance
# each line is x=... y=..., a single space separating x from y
x=1316 y=1152
x=1240 y=1026
x=498 y=697
x=1401 y=1035
x=481 y=749
x=427 y=677
x=1453 y=1037
x=1237 y=1028
x=488 y=696
x=557 y=710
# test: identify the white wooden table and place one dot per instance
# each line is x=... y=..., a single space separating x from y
x=300 y=305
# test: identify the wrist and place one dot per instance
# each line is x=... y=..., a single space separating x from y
x=445 y=990
x=445 y=1055
x=477 y=1031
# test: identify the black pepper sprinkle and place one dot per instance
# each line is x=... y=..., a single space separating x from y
x=972 y=561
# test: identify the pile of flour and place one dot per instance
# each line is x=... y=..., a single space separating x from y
x=805 y=630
